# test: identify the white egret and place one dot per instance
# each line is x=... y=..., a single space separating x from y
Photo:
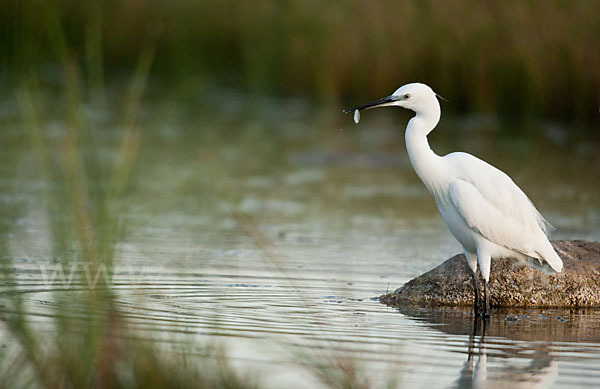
x=484 y=209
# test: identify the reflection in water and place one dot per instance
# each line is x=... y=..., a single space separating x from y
x=539 y=325
x=494 y=358
x=539 y=373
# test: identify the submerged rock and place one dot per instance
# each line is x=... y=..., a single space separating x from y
x=512 y=284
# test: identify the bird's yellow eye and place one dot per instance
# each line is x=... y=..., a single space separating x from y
x=407 y=96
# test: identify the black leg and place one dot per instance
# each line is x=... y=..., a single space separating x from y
x=486 y=309
x=471 y=348
x=484 y=321
x=475 y=292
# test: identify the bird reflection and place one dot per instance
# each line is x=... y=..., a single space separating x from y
x=540 y=373
x=475 y=376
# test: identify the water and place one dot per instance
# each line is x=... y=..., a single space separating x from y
x=271 y=229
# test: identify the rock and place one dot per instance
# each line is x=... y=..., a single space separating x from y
x=512 y=284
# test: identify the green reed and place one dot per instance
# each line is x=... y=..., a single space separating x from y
x=520 y=59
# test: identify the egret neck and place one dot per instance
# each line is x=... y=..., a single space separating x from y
x=425 y=162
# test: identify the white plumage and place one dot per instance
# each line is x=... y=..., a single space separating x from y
x=484 y=209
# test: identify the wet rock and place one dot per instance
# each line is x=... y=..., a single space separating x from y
x=512 y=284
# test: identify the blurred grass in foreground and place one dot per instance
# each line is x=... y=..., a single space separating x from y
x=520 y=59
x=90 y=346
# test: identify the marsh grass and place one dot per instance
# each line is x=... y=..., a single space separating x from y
x=518 y=59
x=84 y=195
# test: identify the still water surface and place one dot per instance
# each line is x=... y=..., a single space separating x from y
x=273 y=231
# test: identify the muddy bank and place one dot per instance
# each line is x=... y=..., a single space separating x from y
x=511 y=284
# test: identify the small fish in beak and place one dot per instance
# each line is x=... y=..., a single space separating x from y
x=379 y=103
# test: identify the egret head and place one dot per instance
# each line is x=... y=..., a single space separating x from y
x=417 y=97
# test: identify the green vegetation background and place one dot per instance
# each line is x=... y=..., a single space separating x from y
x=520 y=59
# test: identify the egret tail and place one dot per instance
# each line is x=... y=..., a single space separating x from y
x=545 y=260
x=551 y=258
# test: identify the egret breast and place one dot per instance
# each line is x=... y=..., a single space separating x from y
x=464 y=234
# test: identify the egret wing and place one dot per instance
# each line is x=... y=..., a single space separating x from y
x=490 y=220
x=499 y=190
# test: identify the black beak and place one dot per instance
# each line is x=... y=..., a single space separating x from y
x=374 y=104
